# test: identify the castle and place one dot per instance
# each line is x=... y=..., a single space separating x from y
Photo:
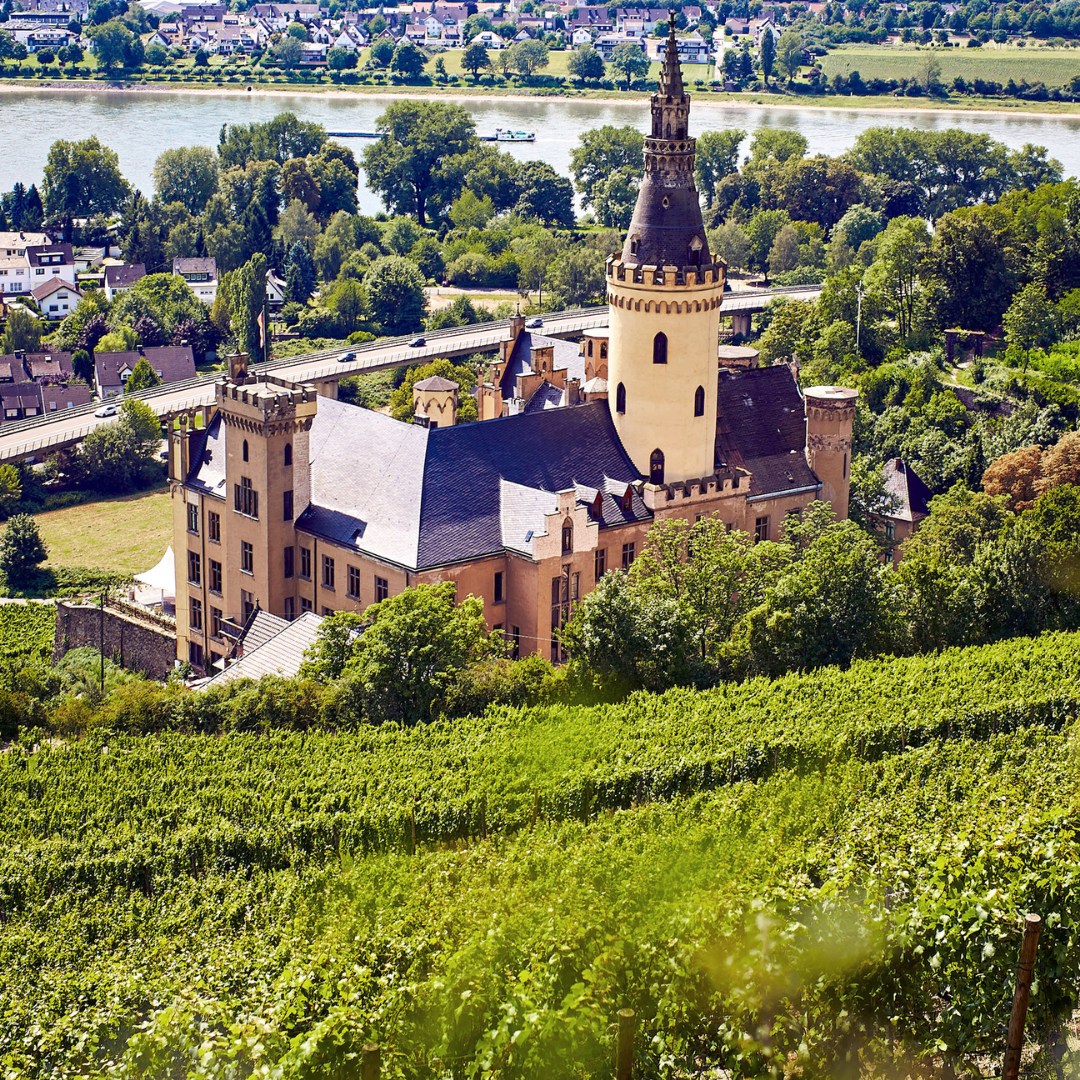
x=287 y=501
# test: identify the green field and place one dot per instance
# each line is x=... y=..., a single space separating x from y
x=123 y=535
x=794 y=871
x=1054 y=67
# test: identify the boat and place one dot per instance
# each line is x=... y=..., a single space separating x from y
x=507 y=135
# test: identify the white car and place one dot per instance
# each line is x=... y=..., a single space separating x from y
x=110 y=408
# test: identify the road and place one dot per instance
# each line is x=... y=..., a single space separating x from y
x=25 y=438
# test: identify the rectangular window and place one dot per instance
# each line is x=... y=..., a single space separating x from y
x=627 y=556
x=247 y=557
x=194 y=568
x=247 y=603
x=382 y=589
x=215 y=576
x=761 y=529
x=195 y=622
x=289 y=559
x=286 y=500
x=305 y=604
x=565 y=590
x=327 y=610
x=327 y=572
x=193 y=518
x=215 y=622
x=305 y=563
x=515 y=638
x=890 y=530
x=195 y=654
x=353 y=586
x=600 y=562
x=290 y=608
x=498 y=586
x=245 y=498
x=213 y=527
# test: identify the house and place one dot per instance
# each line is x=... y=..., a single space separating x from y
x=606 y=44
x=119 y=277
x=581 y=36
x=171 y=363
x=47 y=367
x=490 y=40
x=693 y=49
x=910 y=504
x=269 y=645
x=19 y=401
x=36 y=37
x=14 y=275
x=312 y=54
x=47 y=261
x=56 y=298
x=60 y=396
x=591 y=17
x=16 y=243
x=275 y=290
x=201 y=276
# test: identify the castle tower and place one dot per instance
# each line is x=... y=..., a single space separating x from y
x=268 y=470
x=830 y=418
x=664 y=293
x=435 y=401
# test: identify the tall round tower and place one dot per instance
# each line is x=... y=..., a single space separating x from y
x=830 y=420
x=664 y=294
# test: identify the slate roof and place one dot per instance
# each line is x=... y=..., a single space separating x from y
x=195 y=266
x=281 y=653
x=565 y=356
x=761 y=427
x=436 y=382
x=57 y=397
x=544 y=397
x=911 y=494
x=124 y=276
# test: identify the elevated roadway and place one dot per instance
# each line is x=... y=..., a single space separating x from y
x=20 y=439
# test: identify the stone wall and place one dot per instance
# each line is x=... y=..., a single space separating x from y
x=136 y=640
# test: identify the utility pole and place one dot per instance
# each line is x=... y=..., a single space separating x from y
x=101 y=637
x=1014 y=1045
x=858 y=316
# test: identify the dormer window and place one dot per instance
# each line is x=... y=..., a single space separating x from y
x=634 y=245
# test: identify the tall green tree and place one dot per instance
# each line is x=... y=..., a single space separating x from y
x=410 y=167
x=1029 y=320
x=299 y=274
x=142 y=377
x=768 y=55
x=629 y=62
x=21 y=549
x=894 y=273
x=789 y=53
x=82 y=179
x=717 y=157
x=602 y=151
x=187 y=175
x=585 y=64
x=528 y=57
x=475 y=59
x=245 y=294
x=395 y=291
x=22 y=332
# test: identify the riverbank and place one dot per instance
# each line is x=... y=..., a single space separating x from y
x=752 y=99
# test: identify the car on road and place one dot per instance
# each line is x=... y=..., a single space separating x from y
x=417 y=342
x=110 y=408
x=346 y=358
x=534 y=323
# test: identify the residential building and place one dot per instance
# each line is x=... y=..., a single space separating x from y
x=288 y=502
x=910 y=499
x=46 y=261
x=16 y=243
x=171 y=363
x=119 y=277
x=201 y=276
x=56 y=298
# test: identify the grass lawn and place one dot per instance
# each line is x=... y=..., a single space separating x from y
x=1000 y=63
x=125 y=535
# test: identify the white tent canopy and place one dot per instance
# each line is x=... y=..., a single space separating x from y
x=157 y=585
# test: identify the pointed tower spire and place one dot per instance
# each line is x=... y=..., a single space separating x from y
x=671 y=84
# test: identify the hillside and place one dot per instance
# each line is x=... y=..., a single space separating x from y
x=806 y=872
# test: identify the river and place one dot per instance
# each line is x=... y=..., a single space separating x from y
x=140 y=124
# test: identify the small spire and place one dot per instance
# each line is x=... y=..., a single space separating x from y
x=671 y=84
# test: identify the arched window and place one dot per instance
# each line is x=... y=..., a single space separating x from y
x=699 y=401
x=659 y=349
x=244 y=450
x=288 y=453
x=603 y=350
x=567 y=537
x=656 y=467
x=620 y=399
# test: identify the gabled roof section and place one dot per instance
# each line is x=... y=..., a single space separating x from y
x=565 y=354
x=280 y=653
x=761 y=427
x=906 y=487
x=522 y=512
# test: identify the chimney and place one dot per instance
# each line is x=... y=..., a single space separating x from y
x=238 y=368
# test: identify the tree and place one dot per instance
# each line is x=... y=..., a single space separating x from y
x=10 y=487
x=297 y=225
x=82 y=179
x=382 y=52
x=629 y=61
x=21 y=549
x=545 y=195
x=717 y=157
x=1016 y=476
x=339 y=59
x=287 y=52
x=299 y=274
x=408 y=61
x=119 y=456
x=45 y=57
x=187 y=175
x=616 y=196
x=528 y=57
x=142 y=377
x=112 y=43
x=577 y=277
x=410 y=167
x=401 y=400
x=22 y=332
x=157 y=55
x=395 y=291
x=345 y=298
x=475 y=59
x=768 y=54
x=164 y=298
x=201 y=58
x=731 y=243
x=415 y=646
x=761 y=232
x=585 y=64
x=894 y=273
x=602 y=151
x=784 y=252
x=789 y=53
x=774 y=146
x=1029 y=321
x=245 y=293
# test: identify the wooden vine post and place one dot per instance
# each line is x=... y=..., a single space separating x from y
x=1014 y=1045
x=624 y=1047
x=372 y=1062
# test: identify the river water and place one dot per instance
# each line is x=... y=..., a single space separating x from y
x=140 y=124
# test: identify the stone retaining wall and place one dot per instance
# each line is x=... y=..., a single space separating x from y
x=143 y=643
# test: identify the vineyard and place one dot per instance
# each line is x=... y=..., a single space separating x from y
x=816 y=874
x=26 y=631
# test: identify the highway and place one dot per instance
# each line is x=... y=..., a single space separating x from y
x=26 y=438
